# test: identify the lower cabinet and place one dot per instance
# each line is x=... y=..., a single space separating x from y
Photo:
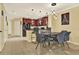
x=30 y=37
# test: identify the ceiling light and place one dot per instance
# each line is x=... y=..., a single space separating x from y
x=53 y=4
x=46 y=13
x=32 y=9
x=40 y=11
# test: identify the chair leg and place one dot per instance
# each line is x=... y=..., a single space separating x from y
x=48 y=43
x=44 y=44
x=37 y=46
x=67 y=44
x=62 y=44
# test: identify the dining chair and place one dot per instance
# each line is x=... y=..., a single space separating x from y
x=63 y=37
x=40 y=39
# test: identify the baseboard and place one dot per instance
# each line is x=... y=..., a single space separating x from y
x=74 y=43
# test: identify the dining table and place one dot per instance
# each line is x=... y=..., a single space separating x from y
x=52 y=35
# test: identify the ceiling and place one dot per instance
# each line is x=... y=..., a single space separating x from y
x=34 y=10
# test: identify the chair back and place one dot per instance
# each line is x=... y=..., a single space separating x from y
x=40 y=38
x=63 y=36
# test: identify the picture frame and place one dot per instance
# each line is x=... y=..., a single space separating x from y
x=65 y=18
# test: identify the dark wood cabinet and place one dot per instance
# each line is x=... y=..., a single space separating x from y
x=44 y=21
x=36 y=22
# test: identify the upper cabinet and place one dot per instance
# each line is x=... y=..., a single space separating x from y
x=36 y=22
x=44 y=21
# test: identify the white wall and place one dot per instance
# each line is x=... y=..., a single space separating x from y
x=5 y=29
x=73 y=26
x=9 y=26
x=0 y=33
x=50 y=21
x=1 y=41
x=16 y=27
x=1 y=29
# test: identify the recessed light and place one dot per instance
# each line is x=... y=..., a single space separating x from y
x=40 y=11
x=46 y=13
x=32 y=9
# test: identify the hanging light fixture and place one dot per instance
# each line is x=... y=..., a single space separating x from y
x=54 y=14
x=53 y=11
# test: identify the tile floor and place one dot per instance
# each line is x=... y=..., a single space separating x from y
x=18 y=46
